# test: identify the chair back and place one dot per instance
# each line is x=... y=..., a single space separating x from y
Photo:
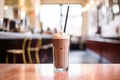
x=24 y=44
x=35 y=43
x=38 y=43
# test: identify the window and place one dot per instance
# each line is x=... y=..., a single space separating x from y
x=53 y=16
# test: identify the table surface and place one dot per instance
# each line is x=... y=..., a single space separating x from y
x=46 y=72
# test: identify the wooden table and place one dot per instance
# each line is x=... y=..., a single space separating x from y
x=46 y=72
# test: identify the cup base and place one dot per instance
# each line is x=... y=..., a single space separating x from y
x=60 y=69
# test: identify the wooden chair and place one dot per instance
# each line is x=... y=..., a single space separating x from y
x=34 y=48
x=18 y=51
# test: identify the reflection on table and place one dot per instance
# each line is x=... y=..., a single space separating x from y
x=46 y=72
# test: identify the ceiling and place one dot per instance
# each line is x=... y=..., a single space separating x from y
x=16 y=2
x=11 y=2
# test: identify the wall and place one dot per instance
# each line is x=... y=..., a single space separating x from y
x=102 y=21
x=1 y=8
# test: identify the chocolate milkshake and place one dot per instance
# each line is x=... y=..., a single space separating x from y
x=60 y=51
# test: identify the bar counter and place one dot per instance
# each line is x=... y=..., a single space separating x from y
x=15 y=39
x=106 y=47
x=46 y=72
x=17 y=35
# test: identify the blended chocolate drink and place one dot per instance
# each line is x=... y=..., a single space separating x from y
x=60 y=51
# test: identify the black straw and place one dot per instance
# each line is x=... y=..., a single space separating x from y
x=66 y=19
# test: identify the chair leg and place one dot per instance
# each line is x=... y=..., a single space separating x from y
x=14 y=58
x=37 y=57
x=6 y=60
x=24 y=59
x=29 y=55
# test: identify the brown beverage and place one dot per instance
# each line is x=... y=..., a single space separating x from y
x=60 y=52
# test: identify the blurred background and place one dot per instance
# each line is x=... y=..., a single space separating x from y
x=93 y=26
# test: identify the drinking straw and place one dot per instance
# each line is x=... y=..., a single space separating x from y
x=66 y=19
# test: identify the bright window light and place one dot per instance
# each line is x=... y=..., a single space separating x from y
x=115 y=8
x=53 y=16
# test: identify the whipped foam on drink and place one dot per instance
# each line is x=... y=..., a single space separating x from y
x=60 y=35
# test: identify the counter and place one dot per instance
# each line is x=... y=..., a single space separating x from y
x=45 y=72
x=12 y=40
x=16 y=35
x=106 y=47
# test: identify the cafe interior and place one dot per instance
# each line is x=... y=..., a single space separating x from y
x=93 y=26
